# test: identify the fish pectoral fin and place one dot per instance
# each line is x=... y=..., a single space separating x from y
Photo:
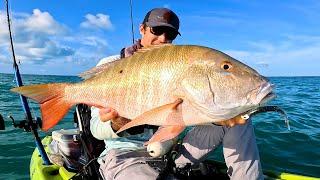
x=165 y=133
x=169 y=114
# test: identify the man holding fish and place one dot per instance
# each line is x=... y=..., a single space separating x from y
x=120 y=161
x=171 y=86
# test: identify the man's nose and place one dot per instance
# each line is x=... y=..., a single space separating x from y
x=162 y=38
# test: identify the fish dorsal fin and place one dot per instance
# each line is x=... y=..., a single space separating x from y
x=111 y=60
x=148 y=48
x=104 y=64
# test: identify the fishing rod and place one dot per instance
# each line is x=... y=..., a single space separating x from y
x=28 y=124
x=131 y=18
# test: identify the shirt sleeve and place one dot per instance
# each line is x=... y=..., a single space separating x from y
x=100 y=130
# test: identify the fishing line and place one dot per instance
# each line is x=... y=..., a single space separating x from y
x=267 y=109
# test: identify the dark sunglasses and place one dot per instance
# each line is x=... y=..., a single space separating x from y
x=170 y=33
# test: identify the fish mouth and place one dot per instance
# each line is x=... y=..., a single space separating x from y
x=264 y=93
x=267 y=98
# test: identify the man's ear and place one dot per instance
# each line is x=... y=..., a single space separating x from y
x=141 y=29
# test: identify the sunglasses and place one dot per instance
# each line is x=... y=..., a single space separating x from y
x=170 y=33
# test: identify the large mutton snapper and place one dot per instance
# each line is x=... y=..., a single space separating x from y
x=172 y=86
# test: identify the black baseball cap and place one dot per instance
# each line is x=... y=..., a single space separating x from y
x=162 y=17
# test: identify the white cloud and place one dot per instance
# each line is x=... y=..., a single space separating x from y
x=99 y=21
x=34 y=37
x=287 y=57
x=263 y=64
x=43 y=22
x=49 y=45
x=93 y=41
x=39 y=38
x=49 y=50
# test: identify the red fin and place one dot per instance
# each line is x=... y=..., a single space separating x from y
x=52 y=102
x=163 y=115
x=165 y=133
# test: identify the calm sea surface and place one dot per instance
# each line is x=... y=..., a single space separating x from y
x=297 y=150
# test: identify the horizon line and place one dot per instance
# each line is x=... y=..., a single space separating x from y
x=78 y=76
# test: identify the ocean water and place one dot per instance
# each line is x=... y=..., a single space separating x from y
x=297 y=150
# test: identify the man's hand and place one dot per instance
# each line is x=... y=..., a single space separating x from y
x=109 y=114
x=232 y=122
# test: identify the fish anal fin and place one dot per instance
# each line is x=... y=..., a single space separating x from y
x=165 y=133
x=169 y=114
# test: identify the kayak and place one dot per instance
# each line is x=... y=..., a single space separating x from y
x=39 y=171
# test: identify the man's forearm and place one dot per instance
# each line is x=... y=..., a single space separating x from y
x=100 y=130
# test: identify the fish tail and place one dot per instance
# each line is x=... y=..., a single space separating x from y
x=51 y=97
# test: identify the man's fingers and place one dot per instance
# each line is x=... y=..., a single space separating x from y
x=104 y=110
x=107 y=114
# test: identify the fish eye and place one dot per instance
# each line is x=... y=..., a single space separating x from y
x=226 y=66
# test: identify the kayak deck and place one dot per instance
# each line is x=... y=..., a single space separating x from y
x=40 y=171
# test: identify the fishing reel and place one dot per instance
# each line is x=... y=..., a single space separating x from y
x=2 y=126
x=25 y=124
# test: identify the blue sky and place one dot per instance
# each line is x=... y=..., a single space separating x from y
x=277 y=38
